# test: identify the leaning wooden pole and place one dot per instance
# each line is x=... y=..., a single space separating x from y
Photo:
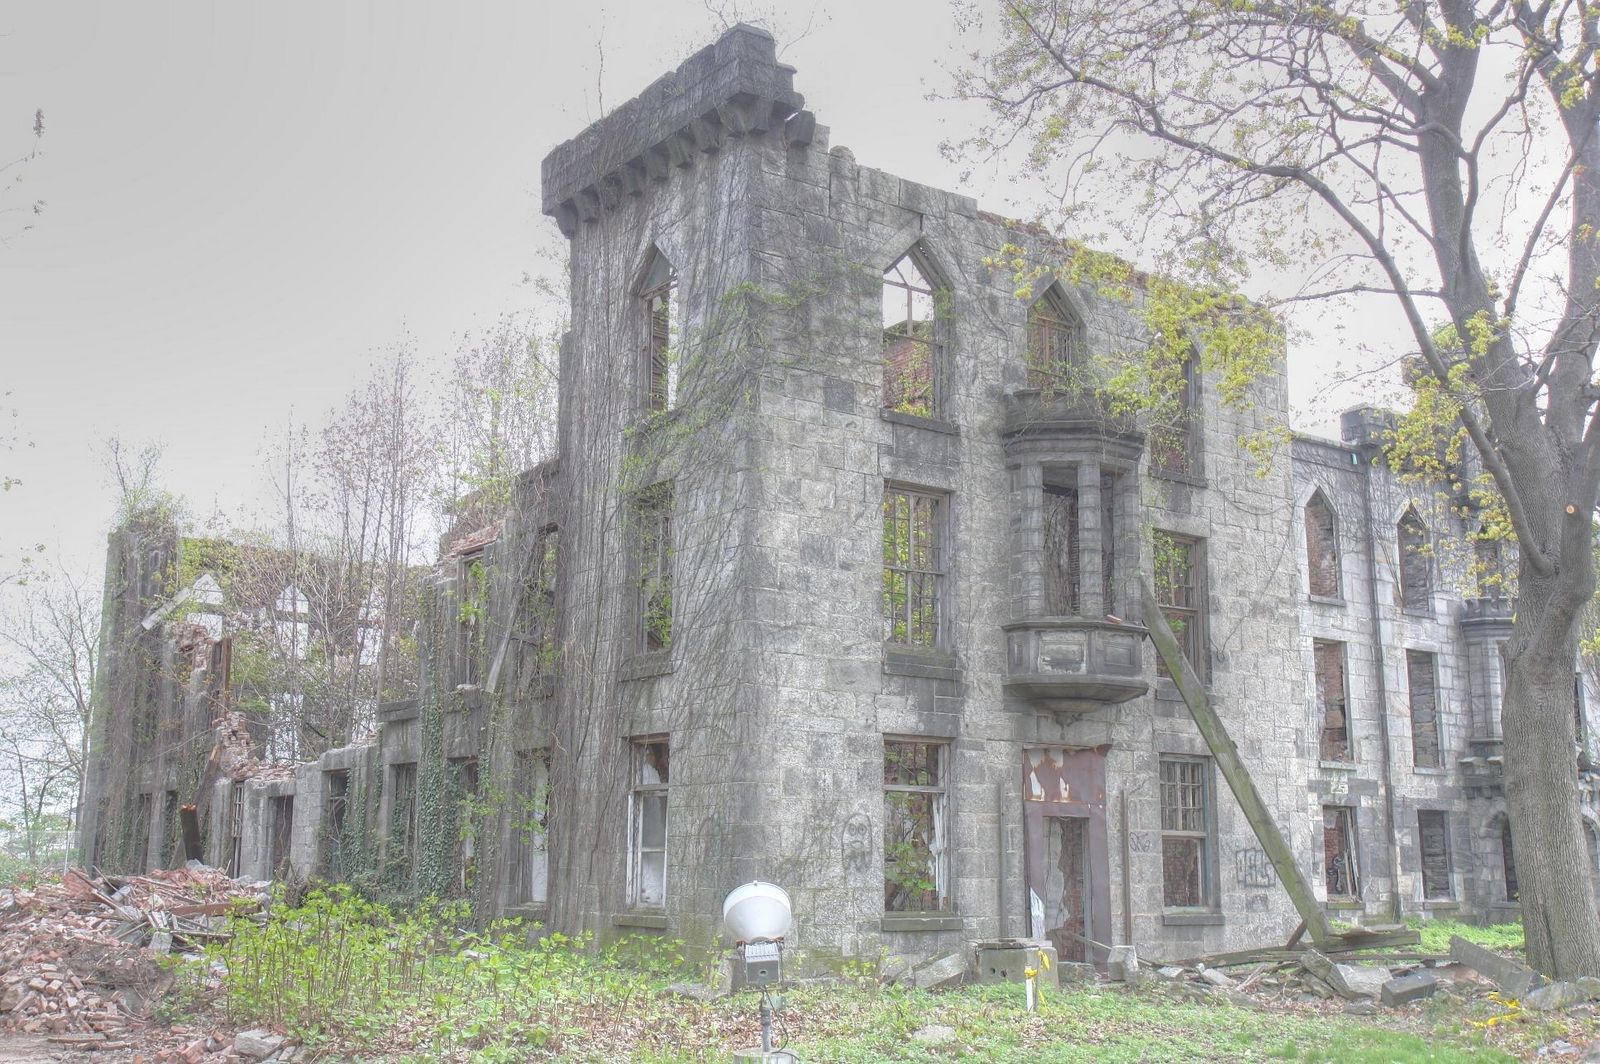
x=1233 y=769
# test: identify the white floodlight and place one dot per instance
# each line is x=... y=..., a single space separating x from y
x=757 y=916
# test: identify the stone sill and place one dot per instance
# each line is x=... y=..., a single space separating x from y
x=1420 y=615
x=644 y=666
x=1183 y=918
x=647 y=921
x=1196 y=480
x=1324 y=600
x=1346 y=905
x=932 y=424
x=1340 y=766
x=1429 y=770
x=927 y=664
x=922 y=922
x=1441 y=905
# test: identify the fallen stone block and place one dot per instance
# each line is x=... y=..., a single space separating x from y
x=942 y=971
x=1589 y=985
x=1355 y=981
x=1218 y=979
x=257 y=1044
x=1122 y=964
x=1513 y=979
x=1170 y=971
x=1553 y=996
x=1316 y=963
x=1408 y=988
x=934 y=1034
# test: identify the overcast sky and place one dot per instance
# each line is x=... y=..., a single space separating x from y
x=248 y=202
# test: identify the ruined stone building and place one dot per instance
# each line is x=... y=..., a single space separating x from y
x=834 y=583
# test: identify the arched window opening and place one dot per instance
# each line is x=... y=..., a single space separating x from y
x=1416 y=564
x=1056 y=347
x=1322 y=547
x=911 y=347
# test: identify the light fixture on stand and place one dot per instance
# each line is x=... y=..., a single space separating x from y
x=757 y=917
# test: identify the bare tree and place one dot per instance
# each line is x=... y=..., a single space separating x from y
x=1442 y=157
x=49 y=648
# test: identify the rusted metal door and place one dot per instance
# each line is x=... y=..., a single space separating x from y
x=1064 y=837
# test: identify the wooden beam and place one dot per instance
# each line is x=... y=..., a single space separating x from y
x=1233 y=769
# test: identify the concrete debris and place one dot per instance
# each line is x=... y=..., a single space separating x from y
x=1123 y=964
x=1218 y=979
x=947 y=970
x=1404 y=989
x=1357 y=981
x=257 y=1044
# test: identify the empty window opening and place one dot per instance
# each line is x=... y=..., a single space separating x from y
x=539 y=600
x=462 y=780
x=1340 y=873
x=143 y=810
x=473 y=615
x=1322 y=548
x=1180 y=590
x=915 y=873
x=1186 y=837
x=1422 y=682
x=1508 y=862
x=1056 y=347
x=280 y=812
x=1433 y=840
x=1067 y=893
x=659 y=296
x=911 y=349
x=169 y=828
x=336 y=792
x=1488 y=565
x=647 y=806
x=1333 y=706
x=1061 y=533
x=530 y=826
x=913 y=567
x=653 y=605
x=235 y=829
x=402 y=816
x=1174 y=432
x=1416 y=564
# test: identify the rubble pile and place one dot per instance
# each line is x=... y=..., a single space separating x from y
x=80 y=957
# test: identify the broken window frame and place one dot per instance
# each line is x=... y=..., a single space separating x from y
x=913 y=345
x=1329 y=667
x=659 y=364
x=653 y=553
x=650 y=775
x=1415 y=564
x=915 y=526
x=1434 y=851
x=1422 y=691
x=1057 y=353
x=1188 y=823
x=1342 y=874
x=1179 y=568
x=280 y=836
x=916 y=825
x=472 y=617
x=335 y=808
x=1324 y=579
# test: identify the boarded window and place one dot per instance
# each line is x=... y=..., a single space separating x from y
x=1424 y=689
x=647 y=830
x=1174 y=429
x=1322 y=548
x=530 y=826
x=1061 y=534
x=1180 y=590
x=1186 y=842
x=1433 y=840
x=1416 y=564
x=658 y=295
x=910 y=338
x=1340 y=873
x=913 y=566
x=1508 y=862
x=1055 y=347
x=1332 y=705
x=652 y=515
x=915 y=873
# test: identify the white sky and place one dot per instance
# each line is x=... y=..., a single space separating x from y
x=247 y=202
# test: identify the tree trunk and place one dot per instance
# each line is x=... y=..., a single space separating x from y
x=1559 y=916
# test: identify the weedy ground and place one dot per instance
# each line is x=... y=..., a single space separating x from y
x=358 y=981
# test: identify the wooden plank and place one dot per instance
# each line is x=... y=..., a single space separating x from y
x=1233 y=768
x=1299 y=933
